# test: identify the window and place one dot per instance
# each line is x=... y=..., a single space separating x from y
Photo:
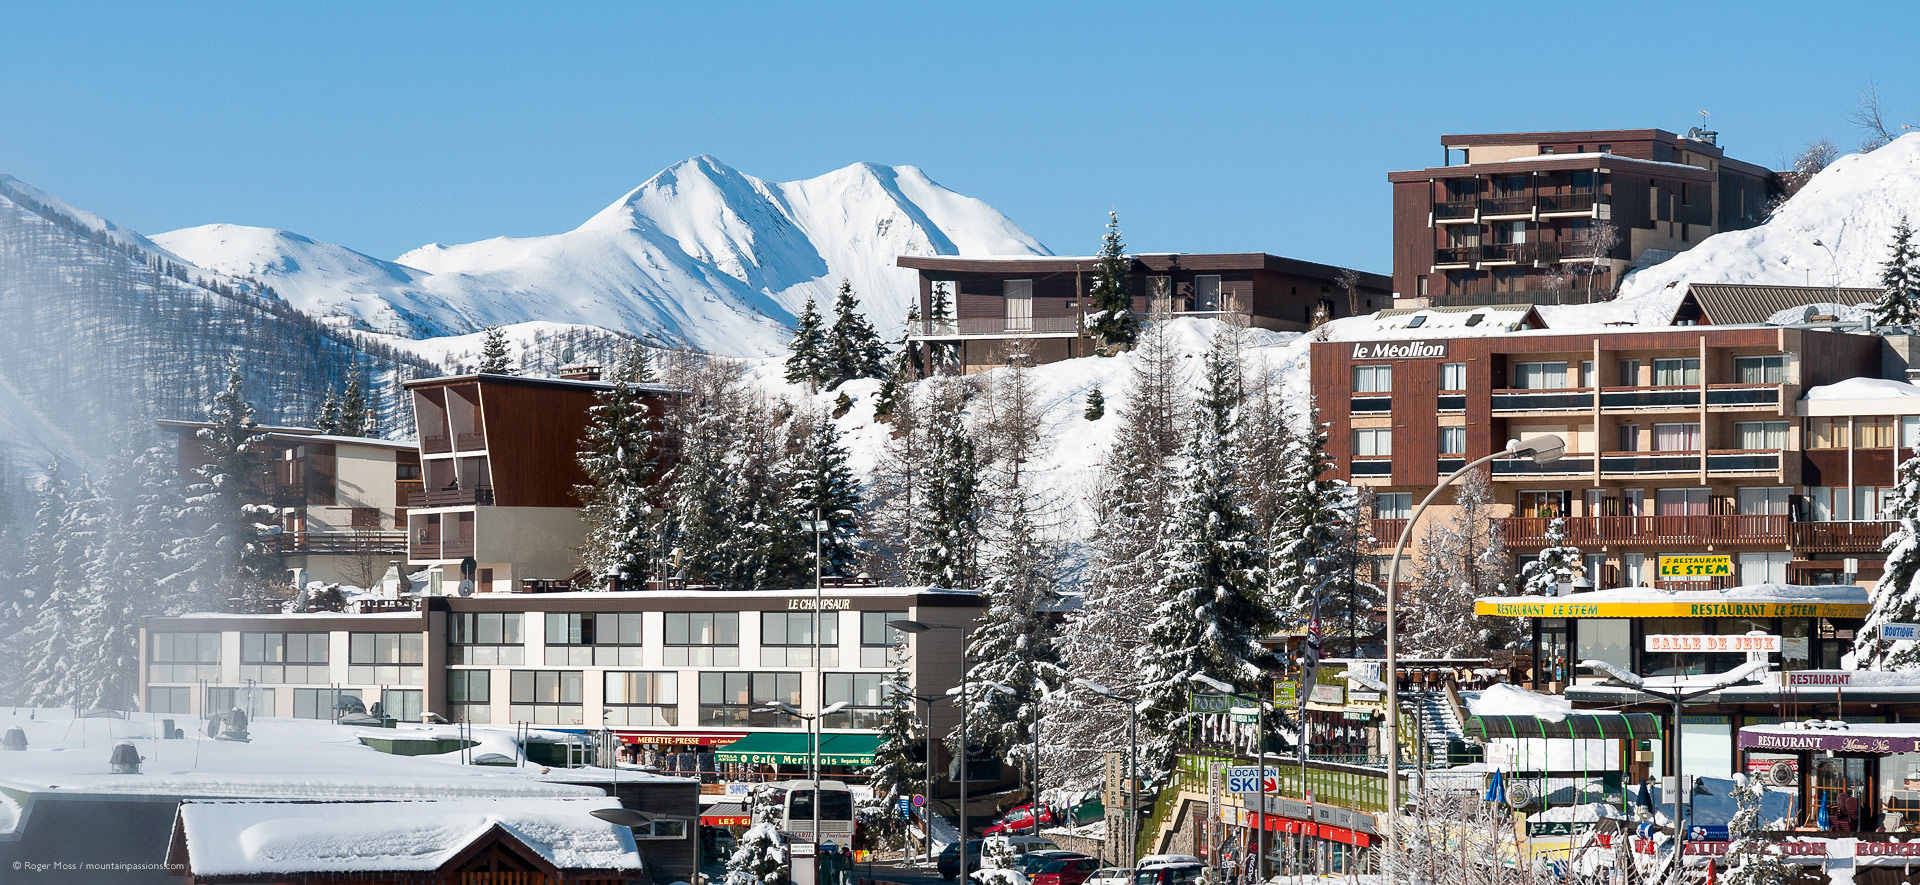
x=1871 y=502
x=254 y=700
x=403 y=704
x=702 y=639
x=1587 y=378
x=1910 y=432
x=1761 y=568
x=587 y=639
x=1393 y=505
x=1760 y=435
x=1160 y=294
x=786 y=639
x=660 y=828
x=319 y=703
x=1206 y=292
x=1373 y=442
x=169 y=699
x=731 y=699
x=1629 y=373
x=1539 y=376
x=1676 y=372
x=1676 y=437
x=866 y=697
x=383 y=658
x=1826 y=433
x=546 y=697
x=643 y=699
x=1829 y=503
x=1453 y=376
x=1019 y=298
x=1680 y=502
x=1760 y=369
x=1373 y=379
x=1629 y=438
x=1453 y=440
x=877 y=639
x=1761 y=500
x=283 y=657
x=1606 y=639
x=485 y=638
x=183 y=657
x=469 y=696
x=1546 y=505
x=406 y=471
x=1873 y=433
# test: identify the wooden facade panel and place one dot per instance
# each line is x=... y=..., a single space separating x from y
x=533 y=442
x=1414 y=421
x=1413 y=238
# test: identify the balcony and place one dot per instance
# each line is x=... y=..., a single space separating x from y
x=1567 y=204
x=1722 y=461
x=1570 y=399
x=370 y=542
x=1386 y=532
x=1363 y=404
x=456 y=547
x=1522 y=468
x=471 y=442
x=1452 y=402
x=1455 y=210
x=424 y=546
x=478 y=495
x=1762 y=395
x=1456 y=255
x=1841 y=537
x=1651 y=531
x=1507 y=206
x=436 y=445
x=999 y=326
x=1371 y=467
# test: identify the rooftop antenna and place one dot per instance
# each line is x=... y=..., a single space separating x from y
x=1703 y=120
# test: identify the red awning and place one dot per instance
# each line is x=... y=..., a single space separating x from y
x=682 y=738
x=732 y=814
x=1278 y=824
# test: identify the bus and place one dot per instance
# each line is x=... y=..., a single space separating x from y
x=791 y=810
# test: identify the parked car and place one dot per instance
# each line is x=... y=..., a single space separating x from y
x=1168 y=869
x=949 y=861
x=1032 y=862
x=1065 y=871
x=1007 y=850
x=1110 y=876
x=1019 y=819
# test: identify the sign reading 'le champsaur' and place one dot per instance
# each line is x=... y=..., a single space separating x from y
x=1400 y=350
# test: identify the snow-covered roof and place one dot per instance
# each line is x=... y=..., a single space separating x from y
x=1504 y=699
x=1861 y=396
x=286 y=838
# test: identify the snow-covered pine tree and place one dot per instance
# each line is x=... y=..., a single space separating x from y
x=139 y=572
x=1896 y=596
x=944 y=357
x=1096 y=404
x=1112 y=319
x=58 y=670
x=329 y=420
x=897 y=488
x=234 y=559
x=898 y=770
x=1462 y=558
x=621 y=462
x=356 y=414
x=1557 y=563
x=853 y=348
x=823 y=484
x=1752 y=858
x=1310 y=566
x=947 y=534
x=1899 y=301
x=807 y=357
x=1212 y=609
x=494 y=358
x=760 y=858
x=900 y=371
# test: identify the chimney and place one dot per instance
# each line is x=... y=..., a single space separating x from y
x=580 y=373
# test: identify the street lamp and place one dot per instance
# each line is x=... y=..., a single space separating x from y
x=814 y=724
x=916 y=628
x=1542 y=450
x=1133 y=761
x=1833 y=281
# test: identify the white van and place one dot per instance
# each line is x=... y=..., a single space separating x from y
x=999 y=852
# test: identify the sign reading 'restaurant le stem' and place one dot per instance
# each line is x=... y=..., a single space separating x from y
x=1400 y=350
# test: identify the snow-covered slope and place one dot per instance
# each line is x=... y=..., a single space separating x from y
x=701 y=255
x=1851 y=207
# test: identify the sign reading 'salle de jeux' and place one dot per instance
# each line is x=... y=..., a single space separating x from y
x=1401 y=350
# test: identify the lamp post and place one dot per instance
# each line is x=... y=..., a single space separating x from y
x=1133 y=761
x=814 y=724
x=917 y=628
x=1833 y=281
x=1543 y=450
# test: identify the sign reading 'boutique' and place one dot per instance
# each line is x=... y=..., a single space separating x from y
x=1400 y=350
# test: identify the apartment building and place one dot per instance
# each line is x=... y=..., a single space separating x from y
x=1043 y=300
x=1741 y=441
x=499 y=462
x=340 y=502
x=1558 y=217
x=669 y=669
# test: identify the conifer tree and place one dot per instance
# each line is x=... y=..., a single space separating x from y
x=1752 y=858
x=900 y=371
x=494 y=359
x=1899 y=301
x=940 y=318
x=57 y=669
x=329 y=420
x=760 y=858
x=1896 y=596
x=1212 y=612
x=947 y=535
x=1310 y=562
x=235 y=561
x=355 y=417
x=621 y=463
x=807 y=357
x=1096 y=405
x=1557 y=563
x=1462 y=558
x=823 y=484
x=853 y=348
x=1112 y=319
x=898 y=770
x=1016 y=659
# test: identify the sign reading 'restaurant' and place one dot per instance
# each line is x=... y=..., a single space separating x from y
x=1828 y=740
x=1400 y=350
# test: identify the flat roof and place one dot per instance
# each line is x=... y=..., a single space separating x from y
x=1555 y=163
x=1152 y=261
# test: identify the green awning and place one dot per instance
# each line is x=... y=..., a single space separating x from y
x=779 y=748
x=1604 y=726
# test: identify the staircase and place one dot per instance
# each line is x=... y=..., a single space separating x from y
x=1438 y=723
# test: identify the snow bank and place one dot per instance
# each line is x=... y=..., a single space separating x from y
x=1511 y=700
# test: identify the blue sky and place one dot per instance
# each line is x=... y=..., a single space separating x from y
x=1209 y=127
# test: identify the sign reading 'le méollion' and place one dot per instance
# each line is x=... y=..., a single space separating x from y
x=1400 y=350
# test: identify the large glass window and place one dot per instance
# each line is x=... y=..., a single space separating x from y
x=585 y=639
x=283 y=657
x=1826 y=433
x=254 y=700
x=404 y=704
x=1373 y=379
x=485 y=639
x=1453 y=440
x=1373 y=442
x=733 y=699
x=175 y=699
x=643 y=698
x=319 y=703
x=1393 y=505
x=183 y=657
x=1605 y=639
x=1760 y=435
x=546 y=697
x=702 y=639
x=866 y=696
x=1676 y=437
x=469 y=695
x=1629 y=373
x=1540 y=376
x=786 y=639
x=1676 y=372
x=384 y=658
x=1453 y=376
x=1873 y=433
x=1760 y=369
x=877 y=639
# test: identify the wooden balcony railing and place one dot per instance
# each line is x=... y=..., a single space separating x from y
x=470 y=442
x=1651 y=531
x=1456 y=255
x=347 y=543
x=1520 y=205
x=1576 y=202
x=1842 y=537
x=1455 y=210
x=436 y=445
x=480 y=495
x=1386 y=532
x=453 y=547
x=964 y=326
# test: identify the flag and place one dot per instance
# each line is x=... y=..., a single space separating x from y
x=1825 y=820
x=1496 y=787
x=1646 y=795
x=1309 y=666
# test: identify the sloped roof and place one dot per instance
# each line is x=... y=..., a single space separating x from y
x=1725 y=304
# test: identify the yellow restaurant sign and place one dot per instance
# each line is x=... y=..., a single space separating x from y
x=1696 y=566
x=1535 y=608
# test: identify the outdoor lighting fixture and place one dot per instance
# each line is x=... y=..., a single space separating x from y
x=623 y=817
x=1211 y=682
